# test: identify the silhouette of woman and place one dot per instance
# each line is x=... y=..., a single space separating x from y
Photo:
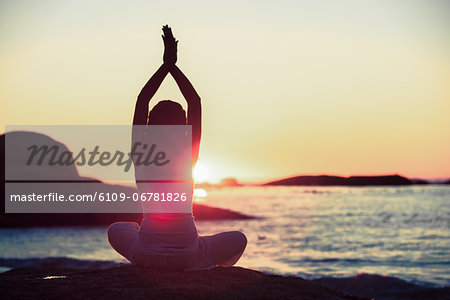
x=177 y=246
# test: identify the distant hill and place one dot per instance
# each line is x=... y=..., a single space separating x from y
x=326 y=180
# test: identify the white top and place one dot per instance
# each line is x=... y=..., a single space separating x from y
x=167 y=228
x=163 y=233
x=167 y=234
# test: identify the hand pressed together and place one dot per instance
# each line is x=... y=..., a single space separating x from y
x=170 y=46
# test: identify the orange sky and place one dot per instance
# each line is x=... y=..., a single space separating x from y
x=289 y=87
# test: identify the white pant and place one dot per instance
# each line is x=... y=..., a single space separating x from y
x=222 y=249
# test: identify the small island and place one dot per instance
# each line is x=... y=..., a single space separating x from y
x=327 y=180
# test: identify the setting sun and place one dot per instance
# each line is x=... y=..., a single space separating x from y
x=200 y=172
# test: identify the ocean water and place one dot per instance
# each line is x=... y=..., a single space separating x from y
x=311 y=232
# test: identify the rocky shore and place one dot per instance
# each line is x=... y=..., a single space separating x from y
x=130 y=282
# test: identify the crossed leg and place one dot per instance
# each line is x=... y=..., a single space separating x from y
x=222 y=249
x=225 y=248
x=121 y=236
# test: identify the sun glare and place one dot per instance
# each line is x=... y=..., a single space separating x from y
x=201 y=172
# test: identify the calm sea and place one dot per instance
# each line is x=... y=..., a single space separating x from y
x=311 y=232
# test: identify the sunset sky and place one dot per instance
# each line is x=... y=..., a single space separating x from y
x=287 y=87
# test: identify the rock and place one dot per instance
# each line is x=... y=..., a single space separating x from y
x=131 y=282
x=383 y=287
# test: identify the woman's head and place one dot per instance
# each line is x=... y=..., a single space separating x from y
x=167 y=112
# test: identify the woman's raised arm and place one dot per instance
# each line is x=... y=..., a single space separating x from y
x=194 y=114
x=147 y=93
x=194 y=108
x=153 y=84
